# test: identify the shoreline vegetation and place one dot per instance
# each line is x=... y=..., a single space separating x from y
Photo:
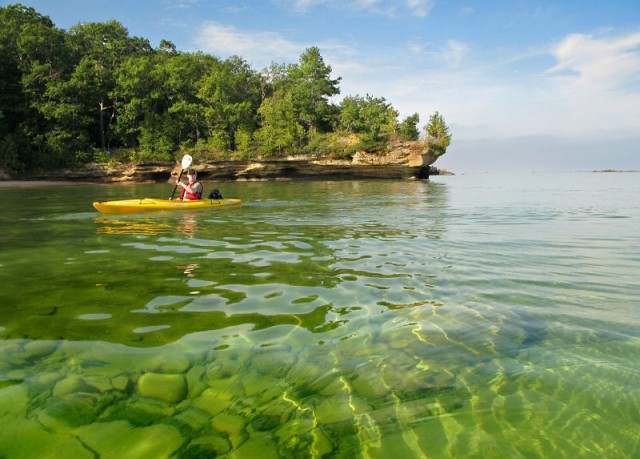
x=96 y=95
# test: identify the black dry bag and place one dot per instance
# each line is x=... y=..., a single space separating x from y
x=215 y=194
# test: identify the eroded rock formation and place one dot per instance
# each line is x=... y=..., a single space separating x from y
x=405 y=160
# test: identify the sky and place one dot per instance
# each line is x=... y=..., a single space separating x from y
x=525 y=86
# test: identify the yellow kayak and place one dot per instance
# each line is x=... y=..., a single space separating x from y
x=151 y=204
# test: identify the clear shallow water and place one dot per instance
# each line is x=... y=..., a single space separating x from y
x=469 y=316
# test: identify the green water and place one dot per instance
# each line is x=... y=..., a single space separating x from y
x=471 y=316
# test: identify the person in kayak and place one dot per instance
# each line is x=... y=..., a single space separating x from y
x=192 y=190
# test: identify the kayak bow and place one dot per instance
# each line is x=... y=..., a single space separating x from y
x=151 y=204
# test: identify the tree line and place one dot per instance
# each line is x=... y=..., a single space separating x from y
x=95 y=93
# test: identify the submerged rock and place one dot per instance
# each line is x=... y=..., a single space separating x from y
x=70 y=411
x=119 y=439
x=120 y=383
x=193 y=419
x=73 y=384
x=172 y=364
x=40 y=348
x=232 y=425
x=212 y=402
x=171 y=388
x=335 y=409
x=207 y=446
x=13 y=401
x=258 y=446
x=26 y=438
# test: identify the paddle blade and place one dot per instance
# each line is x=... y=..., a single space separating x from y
x=186 y=161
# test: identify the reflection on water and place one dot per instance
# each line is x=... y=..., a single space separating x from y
x=328 y=319
x=138 y=226
x=147 y=225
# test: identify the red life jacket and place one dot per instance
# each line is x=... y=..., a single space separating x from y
x=192 y=196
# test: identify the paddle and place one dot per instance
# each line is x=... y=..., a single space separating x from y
x=186 y=162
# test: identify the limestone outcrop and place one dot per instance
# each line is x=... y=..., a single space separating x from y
x=411 y=154
x=404 y=160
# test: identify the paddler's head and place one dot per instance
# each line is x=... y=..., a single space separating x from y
x=192 y=174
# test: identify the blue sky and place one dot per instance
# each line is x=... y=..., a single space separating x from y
x=524 y=85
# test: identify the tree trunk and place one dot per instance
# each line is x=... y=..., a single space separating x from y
x=102 y=136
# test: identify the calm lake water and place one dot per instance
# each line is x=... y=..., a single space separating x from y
x=468 y=316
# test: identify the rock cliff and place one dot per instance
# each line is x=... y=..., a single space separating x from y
x=404 y=160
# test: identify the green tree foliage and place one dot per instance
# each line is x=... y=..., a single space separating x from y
x=311 y=86
x=14 y=104
x=94 y=91
x=438 y=136
x=279 y=132
x=142 y=102
x=186 y=113
x=371 y=117
x=231 y=95
x=100 y=49
x=408 y=129
x=63 y=82
x=34 y=60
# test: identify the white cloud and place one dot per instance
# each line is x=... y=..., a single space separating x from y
x=598 y=63
x=180 y=4
x=303 y=5
x=467 y=10
x=420 y=8
x=581 y=86
x=259 y=48
x=441 y=56
x=592 y=91
x=362 y=4
x=454 y=52
x=233 y=9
